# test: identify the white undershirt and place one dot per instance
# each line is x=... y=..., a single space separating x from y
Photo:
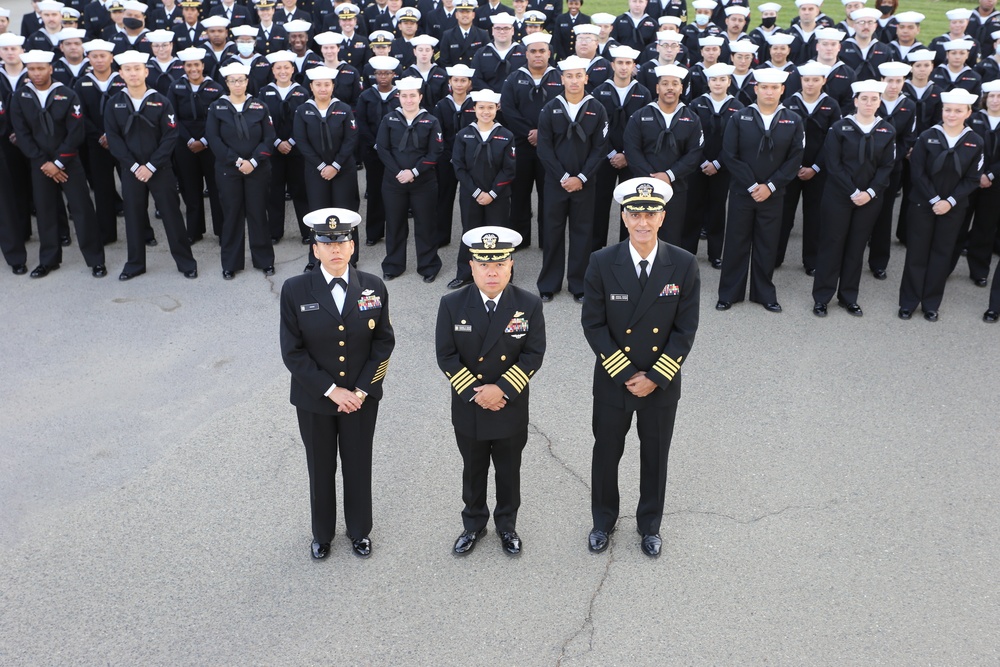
x=994 y=121
x=890 y=105
x=766 y=119
x=572 y=109
x=810 y=106
x=283 y=92
x=623 y=92
x=43 y=95
x=863 y=127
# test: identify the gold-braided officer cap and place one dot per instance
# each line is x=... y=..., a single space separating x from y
x=643 y=194
x=491 y=243
x=331 y=225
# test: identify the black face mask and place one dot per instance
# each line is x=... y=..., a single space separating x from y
x=885 y=9
x=769 y=21
x=132 y=24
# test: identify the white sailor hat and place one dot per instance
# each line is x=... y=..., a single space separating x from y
x=670 y=70
x=408 y=14
x=217 y=22
x=10 y=39
x=192 y=53
x=234 y=69
x=132 y=58
x=244 y=31
x=829 y=33
x=536 y=38
x=135 y=6
x=160 y=36
x=36 y=56
x=868 y=86
x=742 y=46
x=780 y=38
x=284 y=56
x=920 y=54
x=669 y=20
x=799 y=3
x=770 y=75
x=385 y=63
x=383 y=37
x=813 y=68
x=719 y=69
x=667 y=36
x=485 y=95
x=502 y=19
x=410 y=83
x=958 y=45
x=866 y=13
x=424 y=40
x=738 y=9
x=491 y=243
x=622 y=51
x=710 y=5
x=958 y=96
x=297 y=25
x=96 y=45
x=910 y=17
x=50 y=6
x=995 y=35
x=74 y=33
x=890 y=68
x=331 y=225
x=958 y=14
x=329 y=37
x=460 y=70
x=573 y=62
x=602 y=18
x=769 y=7
x=321 y=73
x=711 y=40
x=4 y=13
x=991 y=87
x=586 y=29
x=643 y=194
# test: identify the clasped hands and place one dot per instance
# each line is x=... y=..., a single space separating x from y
x=346 y=400
x=489 y=397
x=640 y=385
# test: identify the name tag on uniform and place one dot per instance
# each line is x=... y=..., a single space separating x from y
x=306 y=307
x=619 y=297
x=466 y=328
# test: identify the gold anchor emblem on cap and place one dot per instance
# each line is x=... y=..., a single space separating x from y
x=490 y=241
x=333 y=221
x=644 y=190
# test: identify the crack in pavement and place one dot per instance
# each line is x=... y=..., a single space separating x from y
x=759 y=517
x=588 y=621
x=548 y=443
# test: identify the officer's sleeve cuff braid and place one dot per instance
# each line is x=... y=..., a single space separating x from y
x=462 y=380
x=615 y=363
x=667 y=366
x=380 y=371
x=517 y=378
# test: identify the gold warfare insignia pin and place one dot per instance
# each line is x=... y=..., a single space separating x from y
x=371 y=324
x=490 y=241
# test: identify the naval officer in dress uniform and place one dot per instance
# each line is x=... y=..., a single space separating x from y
x=490 y=343
x=336 y=339
x=640 y=315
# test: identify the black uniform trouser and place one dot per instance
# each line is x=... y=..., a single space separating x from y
x=196 y=171
x=677 y=229
x=752 y=233
x=11 y=238
x=341 y=192
x=48 y=202
x=244 y=201
x=20 y=181
x=706 y=208
x=881 y=241
x=374 y=175
x=811 y=193
x=607 y=179
x=506 y=456
x=575 y=211
x=962 y=240
x=995 y=292
x=983 y=234
x=476 y=215
x=844 y=232
x=904 y=207
x=352 y=435
x=419 y=196
x=930 y=240
x=288 y=173
x=135 y=197
x=100 y=166
x=528 y=172
x=447 y=187
x=655 y=427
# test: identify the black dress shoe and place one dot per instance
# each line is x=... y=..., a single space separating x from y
x=192 y=274
x=466 y=542
x=431 y=278
x=268 y=270
x=306 y=240
x=129 y=275
x=723 y=305
x=931 y=315
x=99 y=271
x=41 y=270
x=64 y=241
x=651 y=545
x=810 y=271
x=851 y=308
x=228 y=275
x=194 y=239
x=459 y=282
x=362 y=547
x=772 y=307
x=546 y=297
x=991 y=316
x=320 y=551
x=979 y=282
x=389 y=276
x=371 y=242
x=511 y=542
x=275 y=240
x=819 y=309
x=598 y=540
x=905 y=313
x=716 y=263
x=152 y=243
x=309 y=267
x=879 y=274
x=578 y=297
x=19 y=269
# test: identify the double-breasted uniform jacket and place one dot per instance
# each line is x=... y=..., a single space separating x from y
x=939 y=172
x=246 y=134
x=269 y=41
x=484 y=13
x=859 y=161
x=817 y=124
x=492 y=69
x=770 y=157
x=473 y=350
x=191 y=107
x=713 y=125
x=328 y=140
x=49 y=133
x=651 y=146
x=484 y=166
x=632 y=329
x=618 y=114
x=563 y=38
x=454 y=50
x=572 y=147
x=355 y=51
x=322 y=347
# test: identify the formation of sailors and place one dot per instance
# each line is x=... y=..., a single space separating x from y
x=441 y=100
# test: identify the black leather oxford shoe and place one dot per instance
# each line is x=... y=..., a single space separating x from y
x=41 y=270
x=320 y=550
x=991 y=316
x=852 y=308
x=459 y=282
x=99 y=271
x=65 y=241
x=152 y=243
x=879 y=274
x=431 y=278
x=19 y=269
x=772 y=307
x=466 y=542
x=578 y=297
x=228 y=275
x=546 y=297
x=511 y=542
x=905 y=313
x=389 y=276
x=819 y=309
x=192 y=274
x=371 y=242
x=598 y=540
x=362 y=547
x=268 y=270
x=651 y=545
x=810 y=271
x=129 y=275
x=931 y=315
x=723 y=305
x=716 y=263
x=979 y=282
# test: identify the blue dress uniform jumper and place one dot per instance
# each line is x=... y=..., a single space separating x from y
x=452 y=120
x=372 y=107
x=286 y=169
x=903 y=120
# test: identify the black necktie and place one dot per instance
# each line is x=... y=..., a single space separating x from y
x=338 y=281
x=643 y=276
x=490 y=307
